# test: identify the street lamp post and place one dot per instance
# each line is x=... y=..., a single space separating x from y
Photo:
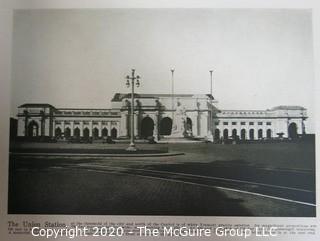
x=211 y=71
x=172 y=91
x=211 y=116
x=134 y=80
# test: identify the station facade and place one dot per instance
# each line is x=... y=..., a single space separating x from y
x=161 y=116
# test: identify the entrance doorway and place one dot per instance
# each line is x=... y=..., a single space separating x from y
x=114 y=133
x=292 y=131
x=165 y=126
x=33 y=129
x=147 y=126
x=76 y=133
x=86 y=133
x=189 y=127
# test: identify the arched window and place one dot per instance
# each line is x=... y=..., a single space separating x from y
x=234 y=134
x=217 y=134
x=104 y=132
x=86 y=133
x=243 y=134
x=260 y=135
x=225 y=134
x=67 y=132
x=251 y=134
x=76 y=133
x=58 y=132
x=269 y=134
x=95 y=133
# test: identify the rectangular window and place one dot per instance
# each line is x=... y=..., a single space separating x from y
x=260 y=123
x=234 y=123
x=268 y=123
x=216 y=123
x=225 y=123
x=251 y=123
x=243 y=123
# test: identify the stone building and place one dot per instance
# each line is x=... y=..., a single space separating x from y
x=161 y=116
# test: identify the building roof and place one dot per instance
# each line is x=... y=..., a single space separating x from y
x=288 y=107
x=36 y=105
x=121 y=96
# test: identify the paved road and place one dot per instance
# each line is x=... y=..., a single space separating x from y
x=259 y=186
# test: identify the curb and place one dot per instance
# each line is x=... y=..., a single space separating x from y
x=96 y=155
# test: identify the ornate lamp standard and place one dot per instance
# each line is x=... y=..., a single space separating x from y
x=133 y=79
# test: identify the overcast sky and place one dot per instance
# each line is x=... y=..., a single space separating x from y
x=79 y=58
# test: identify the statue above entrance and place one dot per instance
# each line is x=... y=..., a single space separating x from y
x=179 y=121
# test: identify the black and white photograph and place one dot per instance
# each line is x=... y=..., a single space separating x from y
x=162 y=112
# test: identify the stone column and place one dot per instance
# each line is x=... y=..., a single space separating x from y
x=72 y=129
x=264 y=130
x=100 y=128
x=109 y=128
x=124 y=124
x=47 y=127
x=156 y=126
x=204 y=124
x=42 y=124
x=53 y=128
x=90 y=128
x=26 y=123
x=81 y=128
x=303 y=127
x=136 y=124
x=21 y=126
x=62 y=126
x=198 y=123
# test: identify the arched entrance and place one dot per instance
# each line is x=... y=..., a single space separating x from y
x=217 y=134
x=234 y=134
x=225 y=134
x=95 y=133
x=165 y=126
x=260 y=135
x=58 y=132
x=86 y=133
x=67 y=133
x=33 y=129
x=104 y=132
x=243 y=134
x=292 y=131
x=251 y=134
x=147 y=126
x=269 y=133
x=189 y=127
x=114 y=133
x=76 y=133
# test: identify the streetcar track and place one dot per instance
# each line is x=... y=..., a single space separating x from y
x=250 y=188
